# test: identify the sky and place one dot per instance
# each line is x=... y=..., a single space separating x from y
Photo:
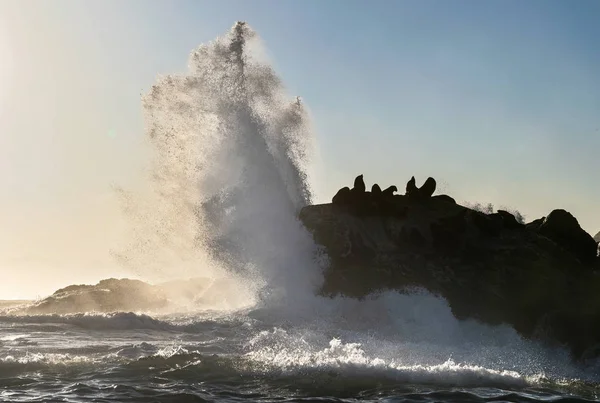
x=497 y=100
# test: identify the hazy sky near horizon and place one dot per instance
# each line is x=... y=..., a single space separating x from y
x=498 y=100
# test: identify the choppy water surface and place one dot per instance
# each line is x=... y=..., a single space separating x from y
x=335 y=351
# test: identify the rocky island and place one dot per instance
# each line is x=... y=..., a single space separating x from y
x=114 y=295
x=542 y=277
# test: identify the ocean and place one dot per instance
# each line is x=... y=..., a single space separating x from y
x=391 y=347
x=233 y=163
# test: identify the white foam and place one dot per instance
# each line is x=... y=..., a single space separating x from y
x=46 y=358
x=351 y=359
x=410 y=337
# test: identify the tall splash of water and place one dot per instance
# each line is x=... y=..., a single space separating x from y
x=230 y=170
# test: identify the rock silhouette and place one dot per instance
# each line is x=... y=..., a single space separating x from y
x=445 y=198
x=509 y=221
x=540 y=277
x=563 y=228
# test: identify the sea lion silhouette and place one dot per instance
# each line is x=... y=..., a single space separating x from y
x=428 y=188
x=359 y=184
x=343 y=196
x=411 y=187
x=389 y=191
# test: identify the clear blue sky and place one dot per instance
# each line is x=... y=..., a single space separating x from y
x=498 y=100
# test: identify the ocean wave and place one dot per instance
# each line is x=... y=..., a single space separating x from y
x=352 y=361
x=340 y=369
x=124 y=321
x=95 y=321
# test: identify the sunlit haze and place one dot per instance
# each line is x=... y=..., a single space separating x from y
x=497 y=100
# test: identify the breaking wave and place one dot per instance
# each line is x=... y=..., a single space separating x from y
x=230 y=173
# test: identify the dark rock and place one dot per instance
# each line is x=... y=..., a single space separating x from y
x=597 y=237
x=561 y=227
x=415 y=237
x=580 y=330
x=444 y=198
x=376 y=190
x=535 y=224
x=488 y=224
x=449 y=233
x=509 y=220
x=481 y=264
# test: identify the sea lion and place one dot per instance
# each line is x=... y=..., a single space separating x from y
x=343 y=196
x=428 y=188
x=384 y=201
x=389 y=191
x=411 y=187
x=359 y=184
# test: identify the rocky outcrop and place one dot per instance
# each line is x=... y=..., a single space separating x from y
x=540 y=277
x=563 y=228
x=113 y=295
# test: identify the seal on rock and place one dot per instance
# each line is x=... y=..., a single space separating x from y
x=342 y=197
x=389 y=191
x=411 y=187
x=422 y=193
x=428 y=188
x=359 y=184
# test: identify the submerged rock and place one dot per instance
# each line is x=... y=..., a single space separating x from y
x=489 y=267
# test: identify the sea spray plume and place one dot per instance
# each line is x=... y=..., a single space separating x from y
x=229 y=171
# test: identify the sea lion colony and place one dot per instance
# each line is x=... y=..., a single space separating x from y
x=378 y=201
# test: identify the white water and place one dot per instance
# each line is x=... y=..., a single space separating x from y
x=230 y=172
